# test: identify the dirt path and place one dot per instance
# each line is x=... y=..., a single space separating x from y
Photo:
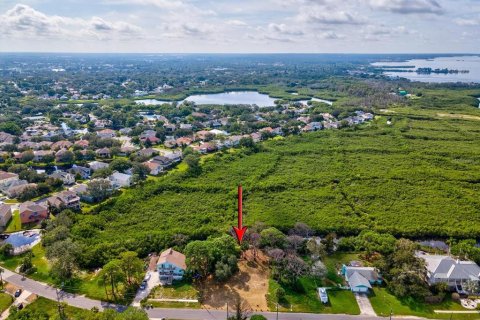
x=458 y=116
x=250 y=284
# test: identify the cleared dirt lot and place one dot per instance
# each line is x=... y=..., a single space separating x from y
x=250 y=284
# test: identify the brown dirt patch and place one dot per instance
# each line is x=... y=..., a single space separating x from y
x=458 y=116
x=250 y=284
x=10 y=288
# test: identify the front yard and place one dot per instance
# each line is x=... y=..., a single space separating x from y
x=383 y=302
x=305 y=299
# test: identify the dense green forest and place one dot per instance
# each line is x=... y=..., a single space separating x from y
x=416 y=177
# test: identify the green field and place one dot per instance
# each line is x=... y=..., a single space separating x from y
x=422 y=168
x=383 y=302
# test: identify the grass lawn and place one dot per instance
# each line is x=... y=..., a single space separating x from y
x=382 y=302
x=178 y=290
x=5 y=301
x=341 y=301
x=39 y=261
x=14 y=224
x=161 y=304
x=48 y=308
x=11 y=201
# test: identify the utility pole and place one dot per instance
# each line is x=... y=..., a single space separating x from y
x=277 y=310
x=227 y=310
x=391 y=312
x=61 y=313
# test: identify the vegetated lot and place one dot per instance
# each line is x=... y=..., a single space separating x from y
x=15 y=224
x=250 y=284
x=378 y=176
x=383 y=302
x=180 y=290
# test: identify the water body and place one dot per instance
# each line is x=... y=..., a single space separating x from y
x=318 y=100
x=470 y=63
x=232 y=97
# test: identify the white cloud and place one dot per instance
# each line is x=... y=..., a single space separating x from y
x=329 y=16
x=284 y=29
x=237 y=23
x=23 y=21
x=408 y=6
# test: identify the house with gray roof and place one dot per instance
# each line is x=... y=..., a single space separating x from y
x=361 y=279
x=454 y=272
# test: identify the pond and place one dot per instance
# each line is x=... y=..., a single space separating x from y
x=407 y=69
x=231 y=97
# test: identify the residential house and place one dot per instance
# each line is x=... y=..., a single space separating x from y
x=97 y=165
x=361 y=279
x=175 y=156
x=17 y=190
x=83 y=172
x=66 y=177
x=81 y=190
x=31 y=212
x=256 y=137
x=6 y=138
x=7 y=177
x=154 y=167
x=65 y=199
x=63 y=144
x=183 y=141
x=171 y=266
x=103 y=153
x=203 y=135
x=106 y=134
x=312 y=126
x=455 y=273
x=59 y=156
x=149 y=135
x=82 y=144
x=148 y=152
x=120 y=180
x=5 y=214
x=186 y=126
x=39 y=156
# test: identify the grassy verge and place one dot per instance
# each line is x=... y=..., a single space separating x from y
x=164 y=304
x=5 y=301
x=383 y=302
x=14 y=224
x=305 y=299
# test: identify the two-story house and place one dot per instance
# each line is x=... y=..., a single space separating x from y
x=171 y=266
x=31 y=212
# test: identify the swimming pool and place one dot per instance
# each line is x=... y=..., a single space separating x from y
x=20 y=239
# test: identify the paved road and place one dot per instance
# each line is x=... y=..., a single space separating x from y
x=78 y=301
x=49 y=292
x=202 y=314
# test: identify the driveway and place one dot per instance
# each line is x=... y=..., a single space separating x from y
x=364 y=304
x=151 y=283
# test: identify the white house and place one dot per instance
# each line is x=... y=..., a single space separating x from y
x=67 y=178
x=171 y=266
x=120 y=180
x=454 y=272
x=6 y=178
x=96 y=165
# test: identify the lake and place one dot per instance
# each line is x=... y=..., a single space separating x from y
x=470 y=63
x=231 y=97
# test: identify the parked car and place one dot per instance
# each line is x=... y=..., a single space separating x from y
x=147 y=276
x=18 y=293
x=20 y=306
x=143 y=285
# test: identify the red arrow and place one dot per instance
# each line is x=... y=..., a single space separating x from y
x=240 y=230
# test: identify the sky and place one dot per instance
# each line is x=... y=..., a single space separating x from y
x=241 y=26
